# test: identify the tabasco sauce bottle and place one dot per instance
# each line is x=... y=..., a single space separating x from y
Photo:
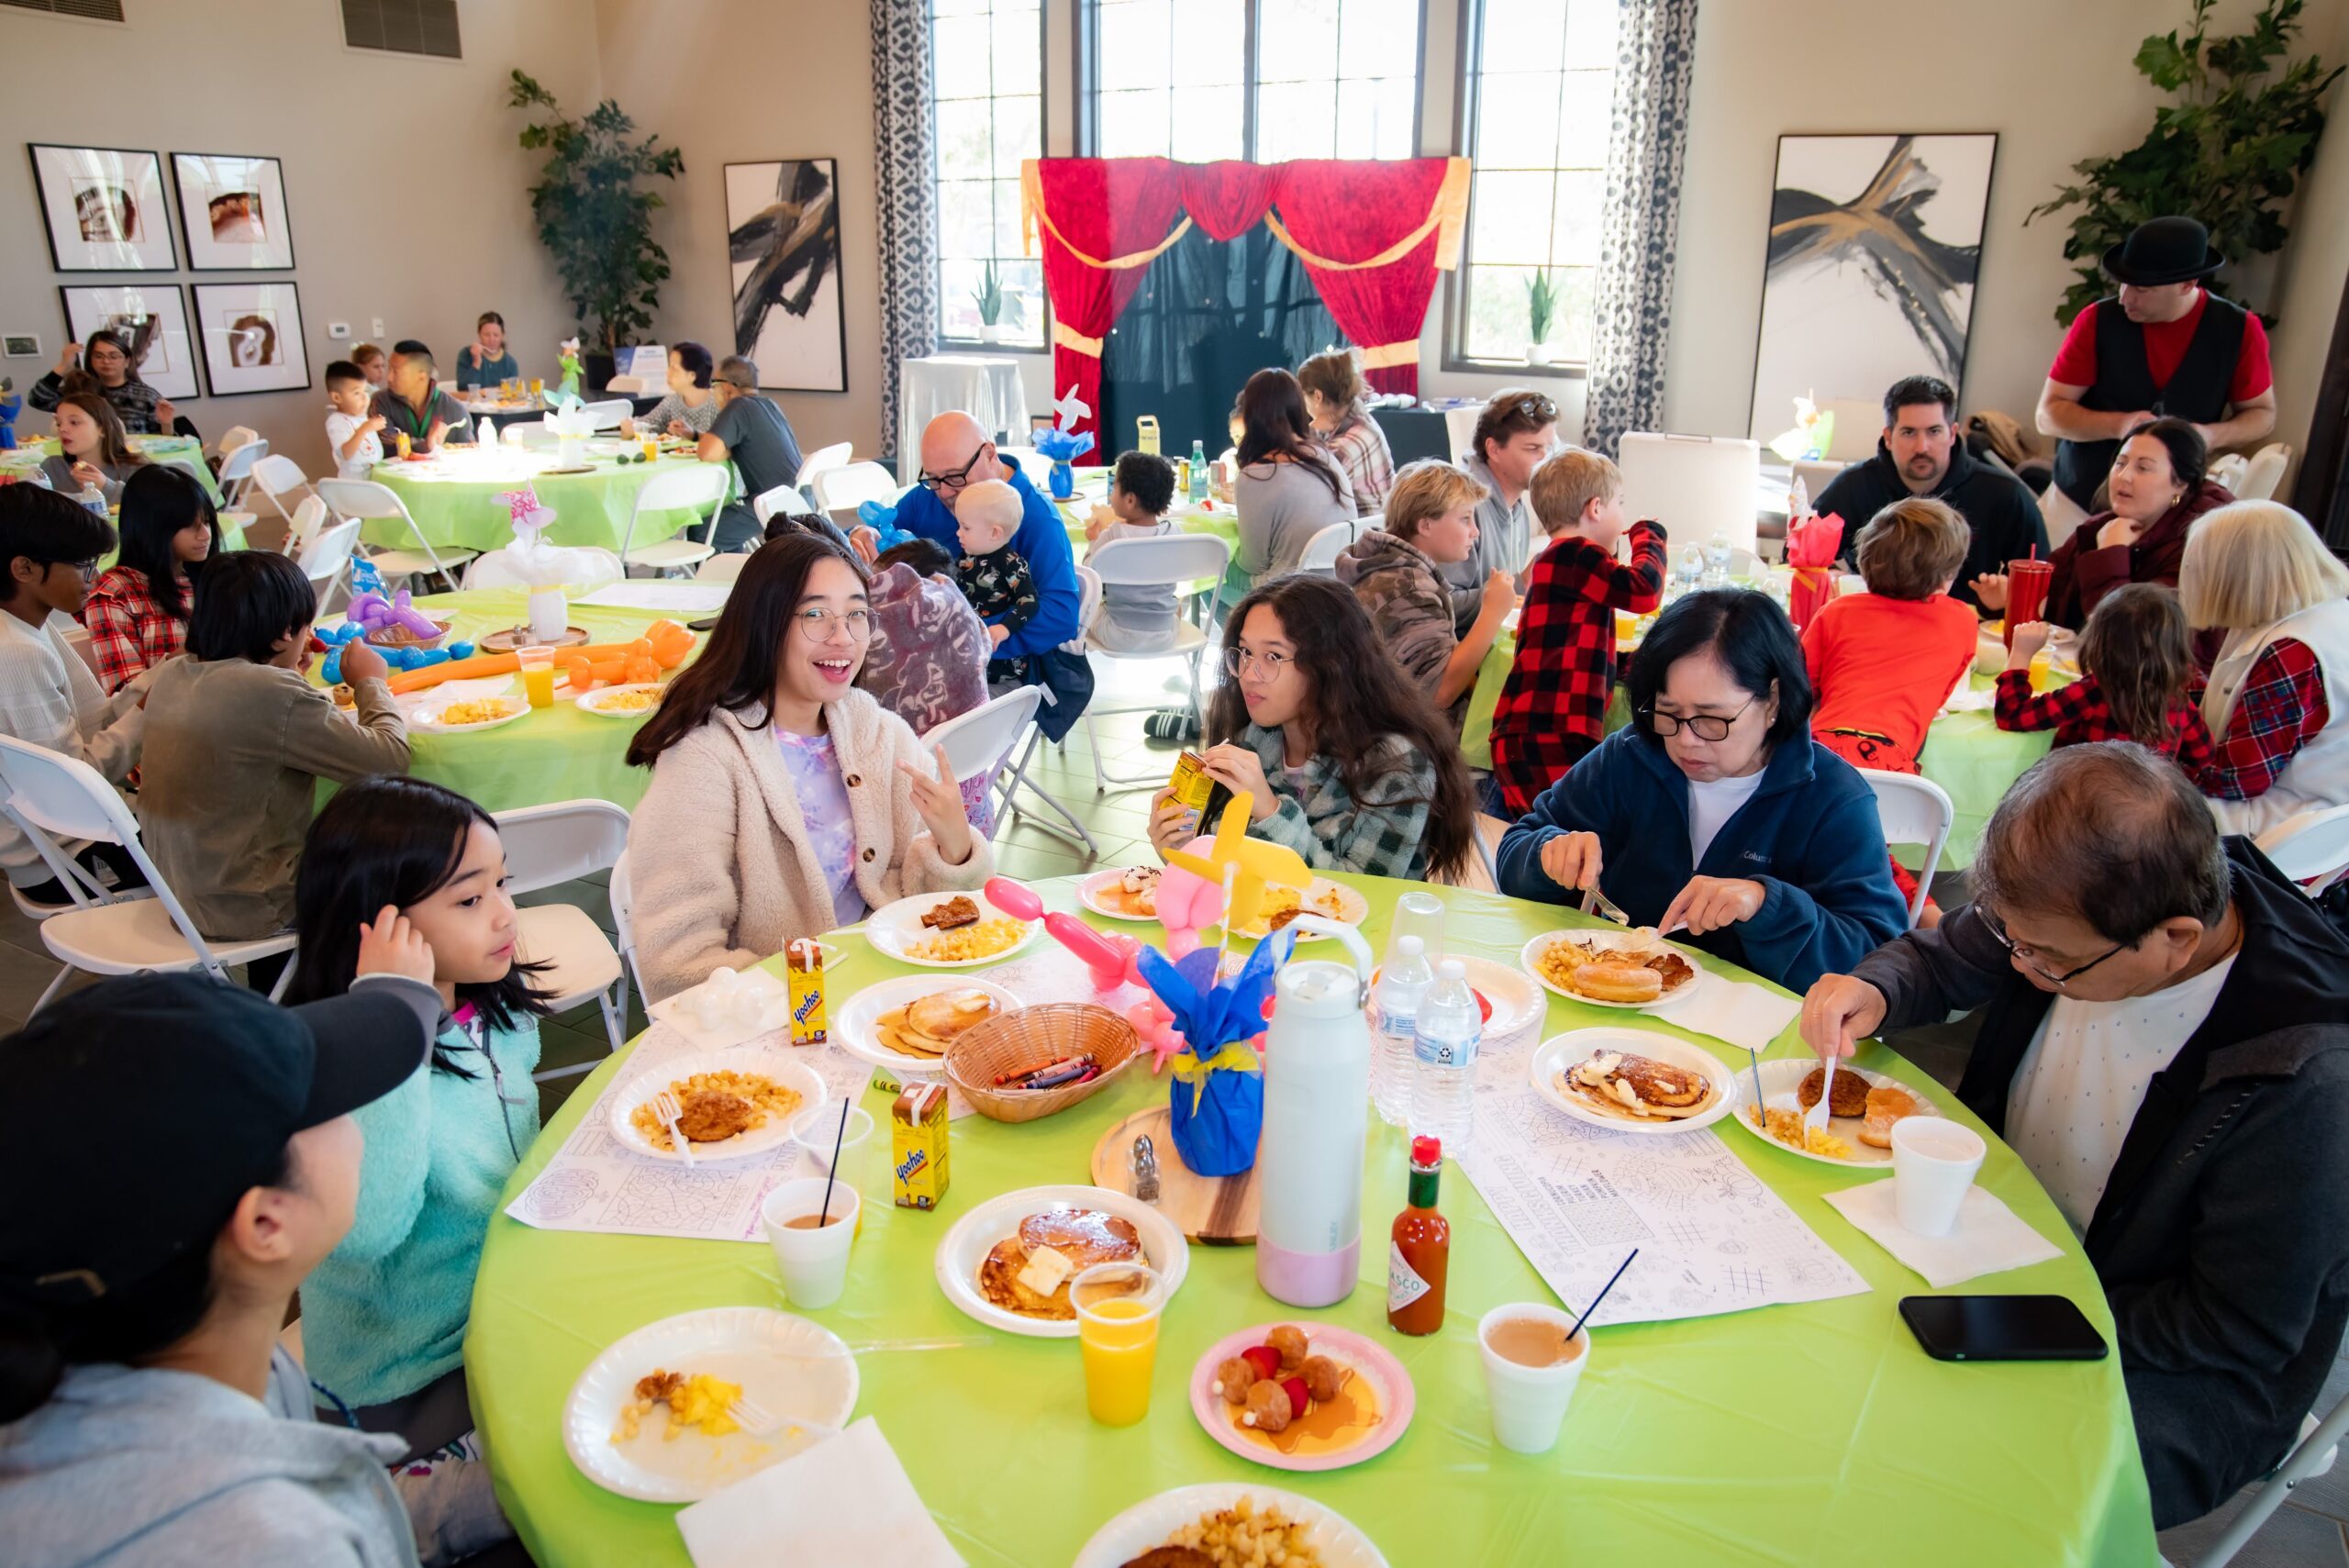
x=1418 y=1248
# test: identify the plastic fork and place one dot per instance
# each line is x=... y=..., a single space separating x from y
x=756 y=1420
x=666 y=1111
x=1817 y=1115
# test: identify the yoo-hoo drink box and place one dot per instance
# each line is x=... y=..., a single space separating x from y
x=918 y=1146
x=804 y=976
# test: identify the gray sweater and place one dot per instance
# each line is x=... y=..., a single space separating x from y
x=1281 y=507
x=142 y=1468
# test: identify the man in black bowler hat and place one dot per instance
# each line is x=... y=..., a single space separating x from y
x=2163 y=345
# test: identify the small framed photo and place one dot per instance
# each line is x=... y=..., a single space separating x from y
x=150 y=318
x=252 y=337
x=104 y=208
x=232 y=212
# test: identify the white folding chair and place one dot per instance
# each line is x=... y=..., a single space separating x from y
x=978 y=742
x=52 y=796
x=2310 y=847
x=677 y=490
x=1165 y=561
x=365 y=499
x=2312 y=1457
x=236 y=470
x=309 y=517
x=784 y=500
x=608 y=413
x=852 y=484
x=1913 y=810
x=2265 y=473
x=2228 y=471
x=324 y=560
x=722 y=568
x=823 y=460
x=2062 y=515
x=278 y=477
x=623 y=896
x=1017 y=779
x=1033 y=464
x=1322 y=550
x=549 y=844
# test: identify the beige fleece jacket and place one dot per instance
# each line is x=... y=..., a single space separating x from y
x=719 y=857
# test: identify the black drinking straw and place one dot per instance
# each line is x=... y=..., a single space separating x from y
x=1602 y=1293
x=823 y=1216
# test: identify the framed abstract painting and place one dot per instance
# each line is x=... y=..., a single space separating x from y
x=782 y=242
x=1874 y=248
x=251 y=335
x=104 y=209
x=232 y=211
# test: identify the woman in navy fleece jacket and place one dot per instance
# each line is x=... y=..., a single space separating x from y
x=1716 y=807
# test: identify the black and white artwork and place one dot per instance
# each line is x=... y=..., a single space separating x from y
x=252 y=337
x=103 y=207
x=1875 y=242
x=232 y=210
x=151 y=318
x=783 y=231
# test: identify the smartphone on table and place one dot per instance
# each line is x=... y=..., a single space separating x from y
x=2002 y=1328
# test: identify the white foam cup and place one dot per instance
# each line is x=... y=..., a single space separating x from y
x=1933 y=1163
x=814 y=1262
x=1528 y=1403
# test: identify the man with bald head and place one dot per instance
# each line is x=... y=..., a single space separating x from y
x=752 y=433
x=2165 y=1043
x=956 y=454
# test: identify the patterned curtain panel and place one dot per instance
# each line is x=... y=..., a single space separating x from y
x=1632 y=320
x=906 y=188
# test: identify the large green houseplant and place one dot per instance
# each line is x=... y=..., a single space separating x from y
x=593 y=218
x=2228 y=151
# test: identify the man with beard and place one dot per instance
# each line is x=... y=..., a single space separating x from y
x=1920 y=454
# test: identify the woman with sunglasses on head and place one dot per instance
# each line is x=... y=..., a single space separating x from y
x=784 y=800
x=1342 y=758
x=104 y=367
x=1717 y=808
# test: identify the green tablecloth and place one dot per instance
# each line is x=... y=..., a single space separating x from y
x=1966 y=754
x=557 y=753
x=1215 y=517
x=1816 y=1434
x=454 y=499
x=155 y=449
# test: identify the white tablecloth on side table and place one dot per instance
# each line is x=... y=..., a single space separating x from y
x=985 y=386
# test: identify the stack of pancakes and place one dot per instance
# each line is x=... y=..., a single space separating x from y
x=1084 y=1236
x=1638 y=1088
x=926 y=1027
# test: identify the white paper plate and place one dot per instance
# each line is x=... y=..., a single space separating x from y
x=1335 y=1540
x=1091 y=894
x=1553 y=1056
x=1780 y=1079
x=1352 y=910
x=853 y=1025
x=1607 y=938
x=975 y=1235
x=774 y=1062
x=897 y=928
x=787 y=1363
x=587 y=703
x=427 y=716
x=1516 y=1000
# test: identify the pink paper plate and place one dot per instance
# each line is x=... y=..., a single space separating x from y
x=1366 y=1358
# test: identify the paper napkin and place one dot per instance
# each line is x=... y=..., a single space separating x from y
x=1989 y=1238
x=1731 y=1010
x=846 y=1500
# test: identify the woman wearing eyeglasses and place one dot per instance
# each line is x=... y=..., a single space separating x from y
x=1716 y=810
x=1343 y=759
x=785 y=801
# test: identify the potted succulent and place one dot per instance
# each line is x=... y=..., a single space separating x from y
x=1541 y=310
x=994 y=306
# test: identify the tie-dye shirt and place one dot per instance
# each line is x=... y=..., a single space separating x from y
x=815 y=770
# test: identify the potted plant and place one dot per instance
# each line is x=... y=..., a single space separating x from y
x=594 y=221
x=994 y=306
x=1541 y=310
x=2227 y=152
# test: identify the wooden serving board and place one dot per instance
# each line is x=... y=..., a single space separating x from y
x=506 y=641
x=1214 y=1211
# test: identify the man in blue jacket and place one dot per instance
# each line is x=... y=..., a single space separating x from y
x=1715 y=808
x=956 y=454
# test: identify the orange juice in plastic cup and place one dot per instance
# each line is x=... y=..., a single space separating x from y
x=1117 y=1307
x=538 y=388
x=652 y=446
x=537 y=660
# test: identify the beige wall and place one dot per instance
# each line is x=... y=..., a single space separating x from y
x=427 y=252
x=2308 y=295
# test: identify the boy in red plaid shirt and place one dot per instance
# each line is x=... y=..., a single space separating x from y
x=2136 y=680
x=1553 y=709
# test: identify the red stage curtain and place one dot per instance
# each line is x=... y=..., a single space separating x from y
x=1339 y=215
x=1099 y=221
x=1228 y=199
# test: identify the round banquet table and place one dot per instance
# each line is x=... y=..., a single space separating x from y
x=454 y=497
x=1818 y=1433
x=30 y=452
x=556 y=753
x=1966 y=754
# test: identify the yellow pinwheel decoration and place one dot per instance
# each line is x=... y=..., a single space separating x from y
x=1252 y=863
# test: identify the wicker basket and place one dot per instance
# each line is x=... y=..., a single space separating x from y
x=1030 y=1038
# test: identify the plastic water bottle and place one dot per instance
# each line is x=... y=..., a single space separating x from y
x=1443 y=1076
x=1687 y=572
x=1797 y=499
x=1717 y=561
x=1402 y=981
x=94 y=499
x=1199 y=472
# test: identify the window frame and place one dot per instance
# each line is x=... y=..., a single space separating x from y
x=1043 y=122
x=1455 y=358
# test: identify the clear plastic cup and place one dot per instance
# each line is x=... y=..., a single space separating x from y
x=814 y=1130
x=537 y=664
x=1417 y=914
x=1934 y=1165
x=813 y=1260
x=1528 y=1403
x=1117 y=1306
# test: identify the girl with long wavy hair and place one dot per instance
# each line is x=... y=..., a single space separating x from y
x=1288 y=488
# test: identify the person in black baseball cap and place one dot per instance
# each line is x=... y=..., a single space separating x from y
x=2162 y=344
x=184 y=1154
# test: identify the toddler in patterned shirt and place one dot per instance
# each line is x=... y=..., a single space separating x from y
x=993 y=576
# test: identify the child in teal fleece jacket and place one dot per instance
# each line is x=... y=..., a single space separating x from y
x=384 y=1316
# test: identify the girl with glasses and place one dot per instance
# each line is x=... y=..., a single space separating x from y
x=784 y=800
x=1716 y=810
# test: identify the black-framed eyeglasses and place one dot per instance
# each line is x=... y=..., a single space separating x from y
x=2024 y=956
x=1703 y=725
x=955 y=479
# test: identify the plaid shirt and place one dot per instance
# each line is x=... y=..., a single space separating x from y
x=1361 y=452
x=2280 y=709
x=1379 y=834
x=2078 y=713
x=129 y=630
x=1565 y=670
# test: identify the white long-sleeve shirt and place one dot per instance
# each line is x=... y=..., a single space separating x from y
x=49 y=696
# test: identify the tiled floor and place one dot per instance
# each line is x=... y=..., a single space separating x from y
x=2311 y=1531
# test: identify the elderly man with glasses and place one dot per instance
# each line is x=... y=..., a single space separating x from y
x=2166 y=1042
x=751 y=433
